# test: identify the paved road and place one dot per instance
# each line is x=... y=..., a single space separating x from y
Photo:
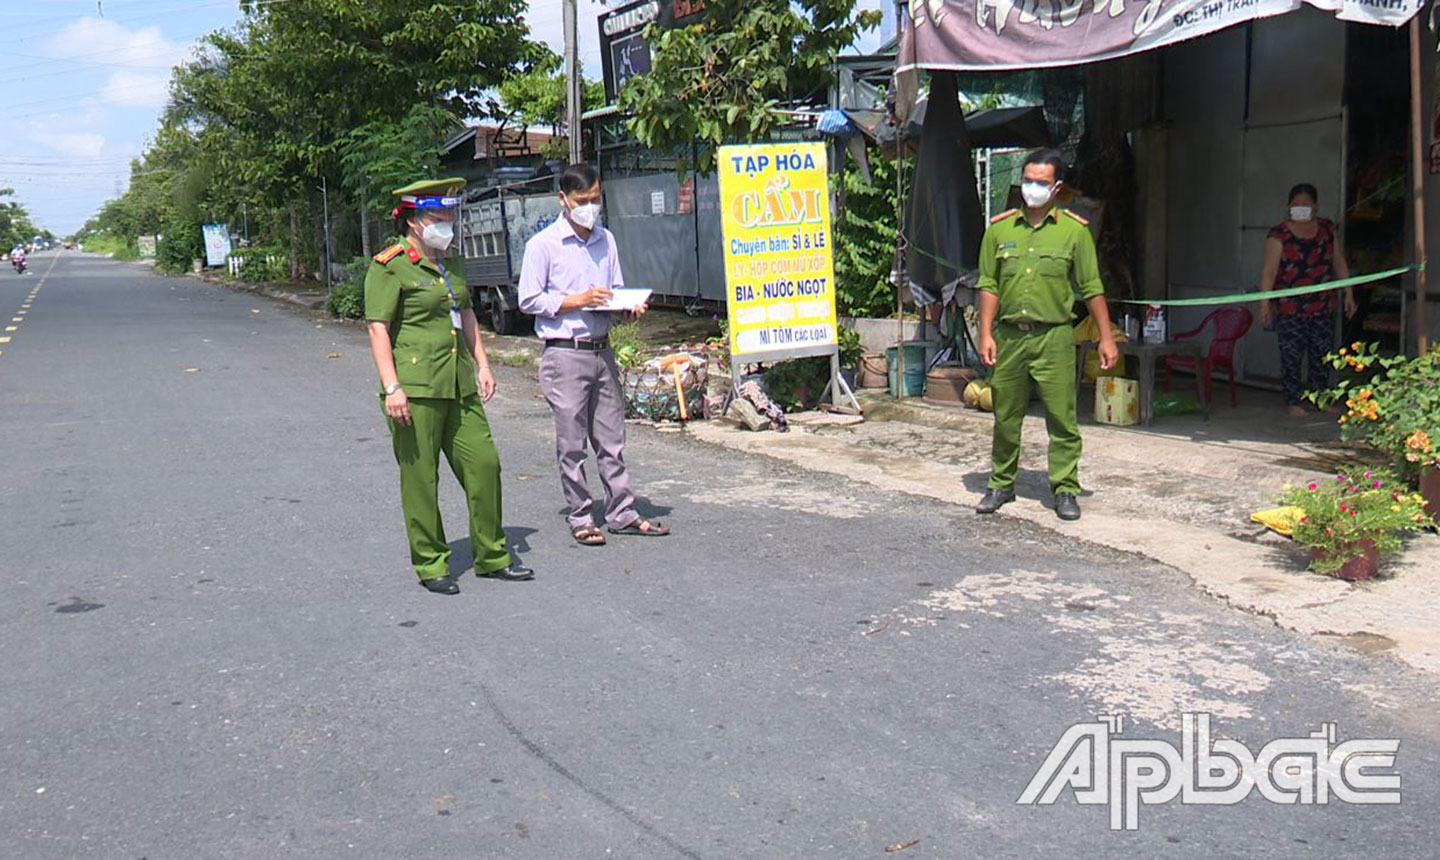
x=213 y=646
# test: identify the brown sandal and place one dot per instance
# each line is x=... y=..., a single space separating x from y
x=643 y=528
x=588 y=536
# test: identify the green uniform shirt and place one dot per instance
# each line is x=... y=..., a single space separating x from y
x=1034 y=270
x=406 y=291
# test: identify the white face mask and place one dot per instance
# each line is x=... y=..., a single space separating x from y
x=1302 y=213
x=587 y=215
x=1036 y=194
x=438 y=235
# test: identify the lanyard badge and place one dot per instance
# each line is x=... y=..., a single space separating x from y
x=454 y=301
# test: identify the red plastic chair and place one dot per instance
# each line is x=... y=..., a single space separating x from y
x=1231 y=324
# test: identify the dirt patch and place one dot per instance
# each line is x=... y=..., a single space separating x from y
x=1369 y=643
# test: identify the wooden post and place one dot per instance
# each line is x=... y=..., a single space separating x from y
x=901 y=279
x=1418 y=170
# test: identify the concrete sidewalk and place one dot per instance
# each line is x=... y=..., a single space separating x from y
x=1180 y=492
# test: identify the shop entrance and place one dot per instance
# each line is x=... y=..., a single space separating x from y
x=1377 y=99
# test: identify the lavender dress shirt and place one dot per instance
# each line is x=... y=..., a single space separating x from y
x=559 y=263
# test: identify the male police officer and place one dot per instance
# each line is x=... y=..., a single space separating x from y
x=1028 y=260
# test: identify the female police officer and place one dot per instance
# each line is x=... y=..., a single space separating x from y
x=423 y=335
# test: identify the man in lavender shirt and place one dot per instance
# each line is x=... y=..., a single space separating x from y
x=568 y=267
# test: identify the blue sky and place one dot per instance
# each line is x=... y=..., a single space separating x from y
x=84 y=83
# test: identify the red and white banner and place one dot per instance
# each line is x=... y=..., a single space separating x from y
x=991 y=35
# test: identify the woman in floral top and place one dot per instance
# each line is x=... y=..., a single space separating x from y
x=1301 y=252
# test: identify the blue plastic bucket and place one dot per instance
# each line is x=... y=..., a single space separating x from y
x=914 y=369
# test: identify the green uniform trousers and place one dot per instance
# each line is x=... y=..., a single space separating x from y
x=1046 y=356
x=460 y=430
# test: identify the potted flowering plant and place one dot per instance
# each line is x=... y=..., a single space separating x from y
x=1354 y=521
x=1393 y=405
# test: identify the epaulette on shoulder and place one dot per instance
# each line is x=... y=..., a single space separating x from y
x=1009 y=213
x=389 y=253
x=1076 y=217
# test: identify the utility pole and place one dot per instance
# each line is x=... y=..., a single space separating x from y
x=572 y=81
x=325 y=205
x=1417 y=189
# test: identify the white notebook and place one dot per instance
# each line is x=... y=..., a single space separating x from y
x=624 y=299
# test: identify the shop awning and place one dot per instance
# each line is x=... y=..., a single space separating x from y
x=996 y=35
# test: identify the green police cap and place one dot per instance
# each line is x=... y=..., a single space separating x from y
x=432 y=187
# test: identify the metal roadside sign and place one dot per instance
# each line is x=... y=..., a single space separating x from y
x=779 y=265
x=779 y=271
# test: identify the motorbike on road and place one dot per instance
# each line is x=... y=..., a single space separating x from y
x=18 y=261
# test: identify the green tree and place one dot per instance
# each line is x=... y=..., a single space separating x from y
x=15 y=224
x=537 y=98
x=316 y=91
x=180 y=244
x=380 y=156
x=726 y=78
x=865 y=237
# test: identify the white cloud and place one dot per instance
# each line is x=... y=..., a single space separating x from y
x=138 y=61
x=131 y=89
x=546 y=26
x=79 y=144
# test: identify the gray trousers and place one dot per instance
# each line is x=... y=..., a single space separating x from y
x=583 y=390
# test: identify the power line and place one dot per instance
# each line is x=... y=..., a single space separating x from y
x=211 y=4
x=71 y=70
x=82 y=161
x=106 y=88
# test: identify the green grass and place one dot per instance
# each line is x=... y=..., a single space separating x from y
x=112 y=245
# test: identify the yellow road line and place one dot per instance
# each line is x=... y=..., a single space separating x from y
x=20 y=315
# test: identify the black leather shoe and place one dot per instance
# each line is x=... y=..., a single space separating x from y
x=516 y=572
x=1066 y=508
x=441 y=585
x=993 y=500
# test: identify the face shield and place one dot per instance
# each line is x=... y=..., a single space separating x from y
x=436 y=219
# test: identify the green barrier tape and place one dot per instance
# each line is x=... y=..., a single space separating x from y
x=1233 y=298
x=1236 y=298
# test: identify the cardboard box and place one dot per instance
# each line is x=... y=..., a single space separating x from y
x=1117 y=400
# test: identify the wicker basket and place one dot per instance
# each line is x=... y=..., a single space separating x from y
x=650 y=392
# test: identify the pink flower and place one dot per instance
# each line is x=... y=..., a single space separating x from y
x=1376 y=485
x=1314 y=486
x=1369 y=474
